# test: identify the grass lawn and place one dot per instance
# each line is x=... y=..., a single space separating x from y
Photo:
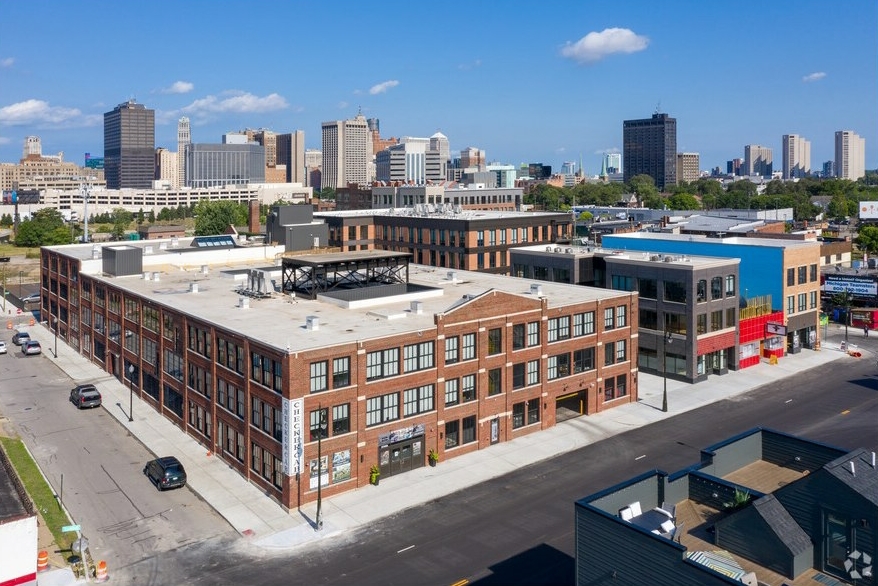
x=39 y=490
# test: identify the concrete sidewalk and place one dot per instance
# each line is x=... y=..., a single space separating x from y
x=254 y=515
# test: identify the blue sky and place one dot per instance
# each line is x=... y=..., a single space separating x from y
x=525 y=81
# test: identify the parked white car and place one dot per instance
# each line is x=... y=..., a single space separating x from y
x=2 y=347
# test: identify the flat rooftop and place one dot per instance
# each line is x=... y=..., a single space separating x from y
x=464 y=214
x=279 y=319
x=577 y=250
x=736 y=240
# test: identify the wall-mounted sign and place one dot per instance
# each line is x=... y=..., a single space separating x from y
x=775 y=329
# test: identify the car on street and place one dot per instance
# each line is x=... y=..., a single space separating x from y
x=32 y=298
x=2 y=347
x=165 y=472
x=85 y=396
x=20 y=338
x=31 y=347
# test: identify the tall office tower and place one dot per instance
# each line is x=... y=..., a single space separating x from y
x=850 y=155
x=184 y=139
x=757 y=161
x=405 y=162
x=688 y=167
x=129 y=146
x=313 y=168
x=829 y=169
x=649 y=147
x=347 y=152
x=472 y=158
x=166 y=166
x=32 y=146
x=234 y=162
x=291 y=152
x=733 y=167
x=613 y=162
x=438 y=157
x=796 y=156
x=267 y=139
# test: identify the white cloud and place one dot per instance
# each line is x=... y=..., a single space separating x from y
x=470 y=65
x=608 y=151
x=816 y=76
x=342 y=105
x=232 y=101
x=179 y=87
x=383 y=87
x=595 y=46
x=7 y=62
x=38 y=112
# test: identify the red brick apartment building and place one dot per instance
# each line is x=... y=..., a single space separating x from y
x=244 y=348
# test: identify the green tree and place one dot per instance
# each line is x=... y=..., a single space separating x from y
x=152 y=216
x=45 y=227
x=6 y=220
x=215 y=217
x=643 y=185
x=683 y=201
x=867 y=240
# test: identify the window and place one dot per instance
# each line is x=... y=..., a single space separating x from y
x=518 y=339
x=452 y=431
x=647 y=288
x=791 y=305
x=382 y=409
x=318 y=376
x=495 y=341
x=452 y=350
x=583 y=359
x=791 y=277
x=716 y=288
x=526 y=413
x=173 y=365
x=803 y=275
x=382 y=363
x=518 y=415
x=615 y=388
x=341 y=372
x=452 y=396
x=701 y=323
x=609 y=318
x=675 y=291
x=315 y=430
x=418 y=356
x=559 y=328
x=468 y=388
x=341 y=419
x=495 y=381
x=716 y=320
x=648 y=319
x=480 y=238
x=803 y=302
x=533 y=372
x=701 y=291
x=813 y=299
x=518 y=375
x=731 y=314
x=533 y=334
x=622 y=283
x=730 y=286
x=621 y=316
x=417 y=400
x=533 y=411
x=813 y=276
x=609 y=354
x=469 y=429
x=621 y=351
x=583 y=324
x=558 y=366
x=469 y=347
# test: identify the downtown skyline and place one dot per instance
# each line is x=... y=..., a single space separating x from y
x=548 y=87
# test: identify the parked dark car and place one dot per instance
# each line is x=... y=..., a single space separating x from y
x=166 y=472
x=31 y=347
x=85 y=396
x=20 y=338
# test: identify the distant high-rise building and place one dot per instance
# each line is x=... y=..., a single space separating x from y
x=234 y=162
x=796 y=156
x=757 y=161
x=539 y=171
x=688 y=167
x=32 y=146
x=649 y=147
x=850 y=155
x=438 y=158
x=291 y=152
x=829 y=169
x=314 y=166
x=472 y=158
x=613 y=162
x=184 y=139
x=733 y=167
x=347 y=152
x=166 y=166
x=129 y=146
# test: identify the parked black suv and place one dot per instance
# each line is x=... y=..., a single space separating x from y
x=20 y=338
x=166 y=472
x=85 y=396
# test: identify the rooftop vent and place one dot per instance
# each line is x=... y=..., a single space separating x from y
x=147 y=250
x=243 y=302
x=452 y=276
x=147 y=275
x=417 y=307
x=204 y=269
x=155 y=276
x=536 y=289
x=548 y=249
x=312 y=323
x=163 y=245
x=193 y=287
x=96 y=251
x=568 y=250
x=175 y=242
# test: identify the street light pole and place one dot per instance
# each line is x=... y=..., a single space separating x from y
x=130 y=393
x=19 y=284
x=666 y=339
x=320 y=432
x=55 y=323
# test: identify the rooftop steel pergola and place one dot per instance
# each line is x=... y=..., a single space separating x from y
x=310 y=274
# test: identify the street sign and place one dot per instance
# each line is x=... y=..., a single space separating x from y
x=67 y=528
x=775 y=329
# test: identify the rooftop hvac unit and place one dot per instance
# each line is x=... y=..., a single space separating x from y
x=147 y=275
x=163 y=245
x=243 y=302
x=548 y=249
x=568 y=250
x=417 y=307
x=147 y=250
x=155 y=276
x=557 y=249
x=204 y=269
x=452 y=276
x=669 y=258
x=193 y=287
x=312 y=323
x=536 y=289
x=95 y=252
x=175 y=242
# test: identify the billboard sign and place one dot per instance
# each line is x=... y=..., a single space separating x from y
x=293 y=436
x=869 y=210
x=859 y=286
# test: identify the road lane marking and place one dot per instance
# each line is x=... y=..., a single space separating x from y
x=405 y=549
x=640 y=457
x=461 y=582
x=846 y=411
x=788 y=401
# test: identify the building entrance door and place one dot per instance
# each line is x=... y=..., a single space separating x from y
x=401 y=456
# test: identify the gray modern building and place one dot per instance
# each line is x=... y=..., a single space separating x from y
x=650 y=148
x=129 y=146
x=214 y=165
